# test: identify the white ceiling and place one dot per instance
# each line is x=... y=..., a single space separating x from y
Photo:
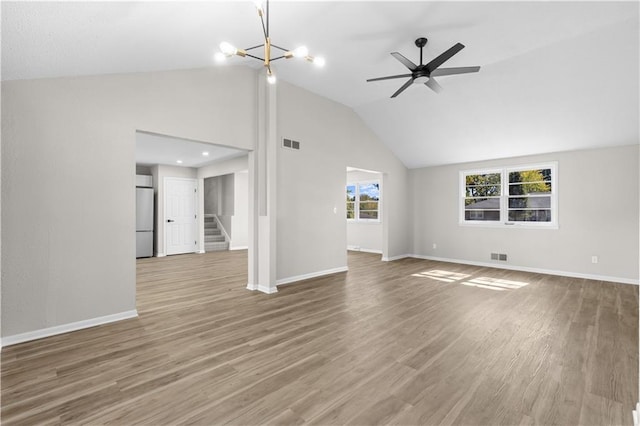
x=161 y=149
x=555 y=75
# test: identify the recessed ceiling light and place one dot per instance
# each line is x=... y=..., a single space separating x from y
x=205 y=153
x=179 y=161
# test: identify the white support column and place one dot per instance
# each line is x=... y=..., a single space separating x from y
x=262 y=194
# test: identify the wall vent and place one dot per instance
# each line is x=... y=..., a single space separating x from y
x=290 y=144
x=499 y=256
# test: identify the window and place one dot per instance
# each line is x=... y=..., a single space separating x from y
x=363 y=201
x=521 y=196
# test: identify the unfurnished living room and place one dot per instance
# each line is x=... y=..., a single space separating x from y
x=320 y=212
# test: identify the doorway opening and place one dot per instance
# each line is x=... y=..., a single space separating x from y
x=365 y=213
x=175 y=168
x=226 y=211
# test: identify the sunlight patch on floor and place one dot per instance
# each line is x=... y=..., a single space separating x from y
x=497 y=284
x=446 y=276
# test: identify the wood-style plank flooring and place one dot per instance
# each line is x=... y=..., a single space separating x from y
x=410 y=342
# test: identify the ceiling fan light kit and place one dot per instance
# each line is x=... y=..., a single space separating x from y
x=425 y=73
x=227 y=49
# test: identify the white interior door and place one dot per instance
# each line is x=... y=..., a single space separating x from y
x=180 y=215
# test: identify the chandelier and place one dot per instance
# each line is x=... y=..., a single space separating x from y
x=227 y=49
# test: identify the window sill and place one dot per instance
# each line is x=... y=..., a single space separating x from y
x=502 y=225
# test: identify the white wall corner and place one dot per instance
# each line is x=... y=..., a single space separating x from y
x=252 y=287
x=66 y=328
x=160 y=255
x=398 y=257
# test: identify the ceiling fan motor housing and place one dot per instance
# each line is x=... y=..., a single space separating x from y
x=421 y=42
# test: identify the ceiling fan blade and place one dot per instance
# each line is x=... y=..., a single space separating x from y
x=407 y=63
x=433 y=85
x=402 y=89
x=451 y=71
x=390 y=77
x=444 y=57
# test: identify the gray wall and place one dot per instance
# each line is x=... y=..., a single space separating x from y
x=310 y=236
x=240 y=220
x=211 y=192
x=71 y=225
x=226 y=207
x=598 y=215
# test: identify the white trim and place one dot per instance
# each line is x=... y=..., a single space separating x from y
x=267 y=290
x=398 y=257
x=636 y=421
x=366 y=250
x=66 y=328
x=262 y=288
x=620 y=280
x=239 y=248
x=201 y=252
x=289 y=280
x=161 y=255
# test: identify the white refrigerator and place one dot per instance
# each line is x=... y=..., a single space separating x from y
x=144 y=222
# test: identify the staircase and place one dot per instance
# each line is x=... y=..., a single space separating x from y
x=214 y=240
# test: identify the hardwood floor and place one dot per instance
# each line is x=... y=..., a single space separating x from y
x=405 y=342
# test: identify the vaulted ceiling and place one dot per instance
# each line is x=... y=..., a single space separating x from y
x=555 y=76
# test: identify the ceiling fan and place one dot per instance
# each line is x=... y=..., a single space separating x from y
x=425 y=73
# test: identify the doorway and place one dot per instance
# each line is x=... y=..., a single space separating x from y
x=365 y=213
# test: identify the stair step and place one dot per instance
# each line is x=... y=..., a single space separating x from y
x=216 y=246
x=212 y=232
x=214 y=238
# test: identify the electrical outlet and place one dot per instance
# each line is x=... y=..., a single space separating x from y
x=594 y=259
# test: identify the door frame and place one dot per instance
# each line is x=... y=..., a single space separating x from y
x=196 y=209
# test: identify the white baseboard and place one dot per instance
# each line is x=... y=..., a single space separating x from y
x=239 y=248
x=262 y=288
x=289 y=280
x=267 y=290
x=398 y=257
x=636 y=415
x=201 y=252
x=160 y=255
x=366 y=250
x=66 y=328
x=528 y=269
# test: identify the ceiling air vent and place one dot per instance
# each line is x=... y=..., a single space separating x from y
x=290 y=144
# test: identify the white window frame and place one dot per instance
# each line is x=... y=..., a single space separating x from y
x=504 y=197
x=356 y=207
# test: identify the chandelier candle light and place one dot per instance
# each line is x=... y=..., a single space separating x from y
x=228 y=50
